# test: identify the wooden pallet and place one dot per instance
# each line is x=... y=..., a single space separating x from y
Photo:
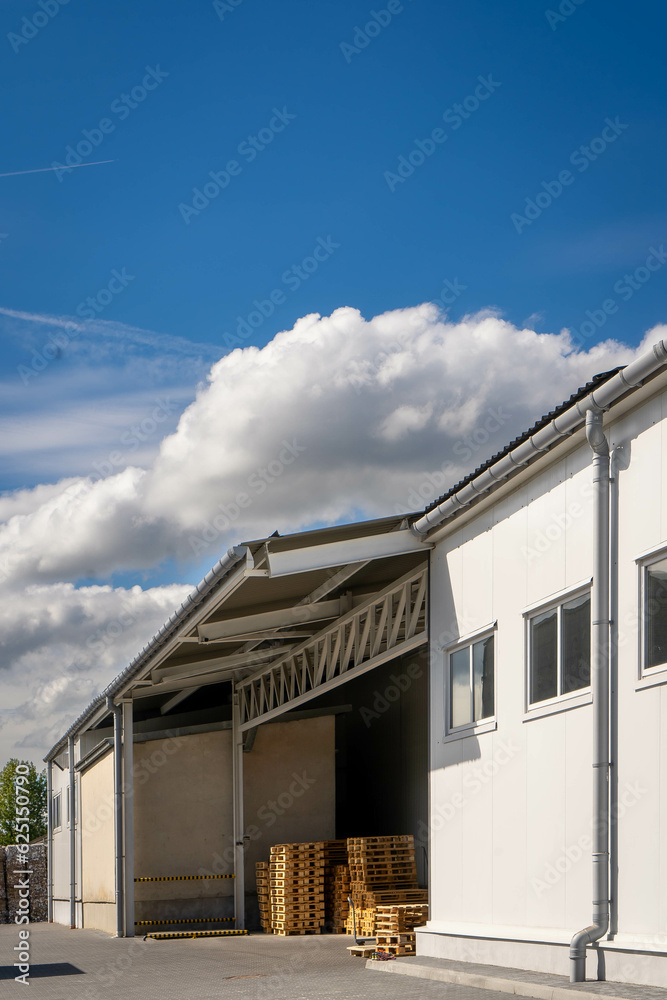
x=362 y=950
x=399 y=950
x=387 y=939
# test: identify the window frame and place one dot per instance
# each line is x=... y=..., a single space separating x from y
x=561 y=701
x=647 y=676
x=56 y=796
x=488 y=723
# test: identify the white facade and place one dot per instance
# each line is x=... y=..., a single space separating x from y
x=511 y=797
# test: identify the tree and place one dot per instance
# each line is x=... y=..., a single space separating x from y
x=35 y=788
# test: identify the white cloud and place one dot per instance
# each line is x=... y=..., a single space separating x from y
x=336 y=416
x=339 y=417
x=60 y=645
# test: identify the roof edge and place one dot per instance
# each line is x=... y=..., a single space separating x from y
x=213 y=578
x=542 y=437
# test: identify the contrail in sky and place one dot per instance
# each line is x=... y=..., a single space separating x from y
x=41 y=170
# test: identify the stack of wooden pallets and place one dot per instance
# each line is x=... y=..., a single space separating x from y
x=263 y=895
x=382 y=871
x=335 y=904
x=395 y=927
x=297 y=888
x=337 y=907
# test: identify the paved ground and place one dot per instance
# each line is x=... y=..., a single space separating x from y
x=518 y=978
x=89 y=965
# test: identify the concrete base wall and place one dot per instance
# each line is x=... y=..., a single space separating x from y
x=100 y=916
x=612 y=964
x=183 y=811
x=61 y=911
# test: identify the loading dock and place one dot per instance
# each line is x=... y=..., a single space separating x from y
x=286 y=701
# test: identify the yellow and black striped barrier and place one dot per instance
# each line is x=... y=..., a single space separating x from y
x=183 y=920
x=171 y=935
x=177 y=878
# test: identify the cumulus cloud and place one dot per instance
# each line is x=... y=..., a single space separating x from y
x=59 y=645
x=337 y=418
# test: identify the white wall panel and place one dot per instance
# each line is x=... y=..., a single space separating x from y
x=535 y=812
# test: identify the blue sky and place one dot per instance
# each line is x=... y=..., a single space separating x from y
x=269 y=162
x=323 y=175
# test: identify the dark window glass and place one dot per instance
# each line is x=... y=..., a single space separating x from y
x=656 y=614
x=576 y=643
x=544 y=656
x=483 y=679
x=459 y=667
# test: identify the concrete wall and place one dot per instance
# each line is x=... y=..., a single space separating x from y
x=511 y=803
x=98 y=845
x=183 y=809
x=60 y=874
x=290 y=792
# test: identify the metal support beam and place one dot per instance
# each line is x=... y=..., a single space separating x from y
x=202 y=667
x=128 y=821
x=49 y=838
x=118 y=815
x=387 y=624
x=238 y=822
x=177 y=699
x=72 y=835
x=270 y=619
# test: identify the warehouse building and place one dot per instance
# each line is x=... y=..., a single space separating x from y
x=548 y=706
x=489 y=676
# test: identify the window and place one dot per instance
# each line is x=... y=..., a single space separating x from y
x=559 y=641
x=471 y=683
x=56 y=816
x=655 y=614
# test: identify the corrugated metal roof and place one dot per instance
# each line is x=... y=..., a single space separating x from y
x=596 y=381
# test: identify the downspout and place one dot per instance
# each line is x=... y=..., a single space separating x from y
x=600 y=689
x=72 y=836
x=616 y=461
x=118 y=812
x=49 y=839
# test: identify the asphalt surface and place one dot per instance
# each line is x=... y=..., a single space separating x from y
x=90 y=965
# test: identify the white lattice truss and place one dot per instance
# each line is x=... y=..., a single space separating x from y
x=387 y=625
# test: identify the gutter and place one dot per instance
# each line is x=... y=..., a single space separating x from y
x=221 y=569
x=630 y=377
